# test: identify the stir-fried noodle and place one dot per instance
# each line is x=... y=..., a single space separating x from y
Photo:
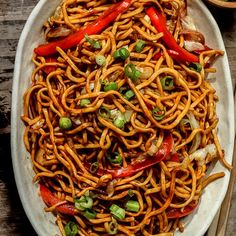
x=121 y=123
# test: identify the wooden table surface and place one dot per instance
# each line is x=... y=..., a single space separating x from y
x=13 y=14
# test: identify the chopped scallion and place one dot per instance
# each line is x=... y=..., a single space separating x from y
x=139 y=46
x=158 y=114
x=122 y=53
x=119 y=122
x=167 y=83
x=90 y=214
x=94 y=167
x=130 y=192
x=104 y=112
x=84 y=102
x=117 y=212
x=131 y=72
x=71 y=229
x=110 y=86
x=100 y=60
x=65 y=123
x=129 y=94
x=84 y=202
x=195 y=66
x=95 y=44
x=132 y=205
x=115 y=158
x=112 y=227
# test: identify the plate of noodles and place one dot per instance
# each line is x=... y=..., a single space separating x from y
x=121 y=118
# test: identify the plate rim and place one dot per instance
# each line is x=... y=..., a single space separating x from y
x=14 y=113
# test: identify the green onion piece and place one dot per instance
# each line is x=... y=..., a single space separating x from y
x=65 y=123
x=94 y=167
x=95 y=44
x=167 y=83
x=195 y=66
x=122 y=53
x=84 y=102
x=119 y=122
x=84 y=202
x=71 y=229
x=132 y=205
x=110 y=86
x=115 y=158
x=139 y=46
x=130 y=192
x=129 y=94
x=100 y=60
x=112 y=228
x=104 y=112
x=117 y=212
x=132 y=72
x=90 y=214
x=158 y=114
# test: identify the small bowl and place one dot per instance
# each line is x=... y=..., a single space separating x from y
x=222 y=4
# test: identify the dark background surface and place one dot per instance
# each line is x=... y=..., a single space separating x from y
x=13 y=14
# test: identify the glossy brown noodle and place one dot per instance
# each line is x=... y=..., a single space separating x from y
x=58 y=156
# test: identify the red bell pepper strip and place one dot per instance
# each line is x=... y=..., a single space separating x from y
x=159 y=21
x=174 y=55
x=96 y=27
x=139 y=165
x=49 y=69
x=179 y=213
x=51 y=200
x=174 y=157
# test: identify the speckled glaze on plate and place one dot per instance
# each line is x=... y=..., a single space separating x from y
x=44 y=223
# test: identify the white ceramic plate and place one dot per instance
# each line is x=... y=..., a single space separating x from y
x=31 y=36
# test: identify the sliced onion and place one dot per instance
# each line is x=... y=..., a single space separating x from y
x=193 y=46
x=200 y=154
x=58 y=32
x=194 y=125
x=110 y=188
x=127 y=115
x=153 y=149
x=193 y=35
x=147 y=19
x=188 y=23
x=146 y=72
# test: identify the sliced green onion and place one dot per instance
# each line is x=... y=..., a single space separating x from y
x=130 y=192
x=117 y=212
x=100 y=60
x=122 y=53
x=132 y=205
x=129 y=94
x=132 y=72
x=90 y=214
x=65 y=123
x=195 y=66
x=95 y=44
x=94 y=167
x=112 y=227
x=158 y=114
x=139 y=46
x=110 y=86
x=71 y=229
x=167 y=83
x=104 y=112
x=119 y=122
x=84 y=202
x=84 y=102
x=115 y=158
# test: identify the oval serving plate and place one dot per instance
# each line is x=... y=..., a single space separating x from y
x=44 y=223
